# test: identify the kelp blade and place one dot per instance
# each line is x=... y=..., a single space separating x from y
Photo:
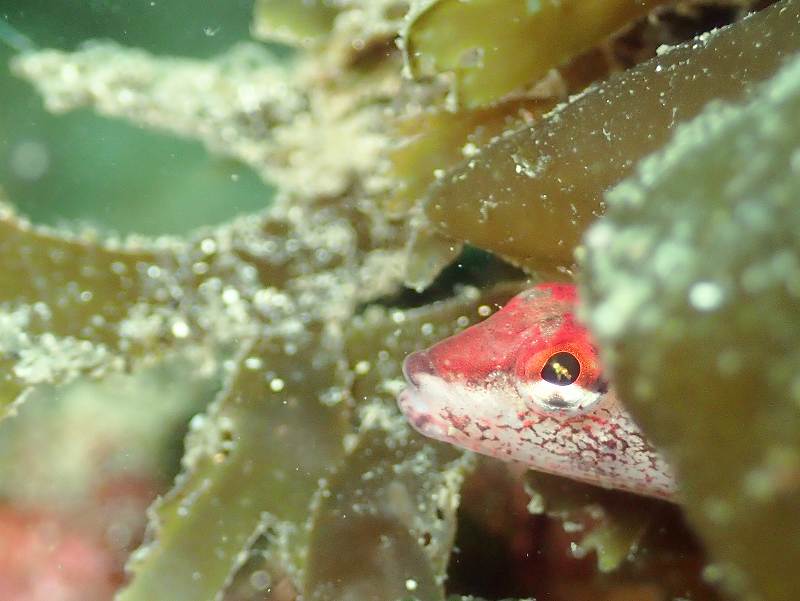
x=494 y=47
x=65 y=298
x=531 y=194
x=256 y=463
x=692 y=284
x=394 y=497
x=293 y=22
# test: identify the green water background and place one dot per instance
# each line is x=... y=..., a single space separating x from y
x=107 y=172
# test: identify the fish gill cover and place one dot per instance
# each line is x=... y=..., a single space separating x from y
x=300 y=478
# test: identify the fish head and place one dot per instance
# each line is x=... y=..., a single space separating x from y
x=529 y=359
x=527 y=384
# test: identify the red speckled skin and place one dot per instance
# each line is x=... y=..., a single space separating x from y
x=483 y=389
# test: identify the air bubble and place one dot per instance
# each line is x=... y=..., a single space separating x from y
x=260 y=580
x=180 y=329
x=230 y=295
x=253 y=363
x=208 y=246
x=30 y=160
x=706 y=296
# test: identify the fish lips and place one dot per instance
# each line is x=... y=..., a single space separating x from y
x=416 y=410
x=412 y=402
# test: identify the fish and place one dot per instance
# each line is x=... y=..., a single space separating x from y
x=527 y=385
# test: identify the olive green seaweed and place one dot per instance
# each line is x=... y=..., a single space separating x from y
x=493 y=47
x=395 y=497
x=691 y=285
x=530 y=194
x=253 y=462
x=297 y=23
x=85 y=304
x=621 y=519
x=342 y=30
x=434 y=140
x=463 y=598
x=87 y=288
x=301 y=477
x=66 y=323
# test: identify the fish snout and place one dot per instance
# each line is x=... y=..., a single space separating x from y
x=413 y=400
x=417 y=364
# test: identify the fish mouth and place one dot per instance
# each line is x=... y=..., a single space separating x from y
x=416 y=365
x=417 y=411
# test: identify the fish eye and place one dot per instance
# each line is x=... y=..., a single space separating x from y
x=561 y=369
x=556 y=382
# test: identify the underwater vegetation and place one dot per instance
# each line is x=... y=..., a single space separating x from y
x=564 y=163
x=727 y=323
x=596 y=140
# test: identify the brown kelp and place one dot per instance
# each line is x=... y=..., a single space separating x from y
x=535 y=190
x=300 y=477
x=692 y=285
x=491 y=48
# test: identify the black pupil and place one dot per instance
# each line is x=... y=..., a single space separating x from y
x=562 y=369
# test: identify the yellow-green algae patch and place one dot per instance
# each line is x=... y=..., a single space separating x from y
x=493 y=47
x=692 y=287
x=530 y=194
x=348 y=33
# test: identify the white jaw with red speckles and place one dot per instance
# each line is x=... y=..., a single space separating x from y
x=601 y=445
